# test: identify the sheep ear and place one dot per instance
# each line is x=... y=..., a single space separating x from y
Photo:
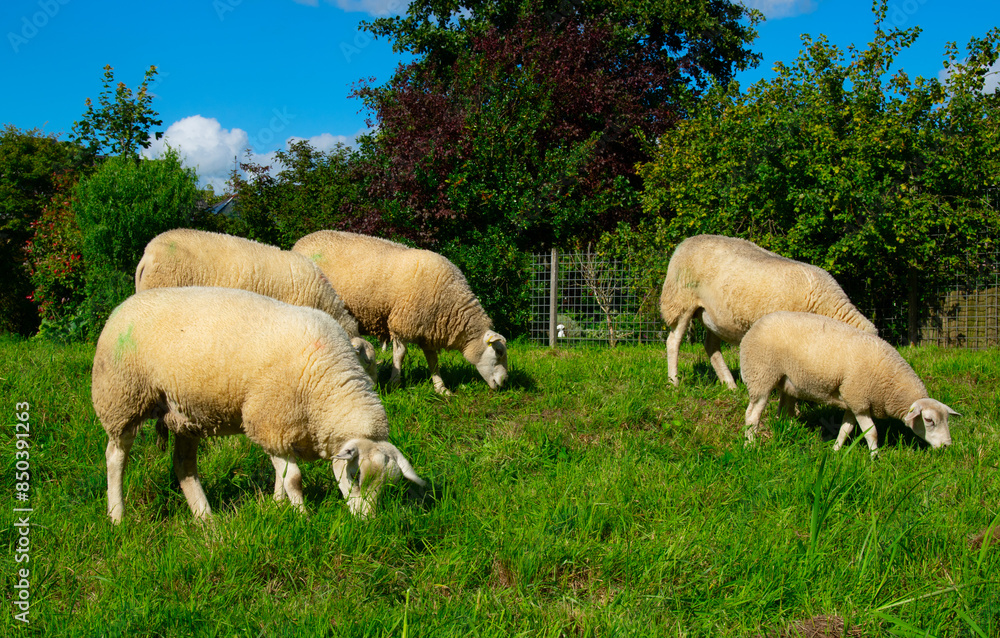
x=950 y=411
x=491 y=338
x=911 y=415
x=401 y=461
x=347 y=453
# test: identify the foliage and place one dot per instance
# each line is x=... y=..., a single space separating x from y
x=31 y=163
x=55 y=258
x=497 y=271
x=120 y=208
x=877 y=178
x=589 y=497
x=531 y=122
x=523 y=121
x=313 y=190
x=122 y=123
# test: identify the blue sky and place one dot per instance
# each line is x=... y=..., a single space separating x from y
x=253 y=73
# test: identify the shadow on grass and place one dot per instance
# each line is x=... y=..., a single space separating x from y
x=827 y=420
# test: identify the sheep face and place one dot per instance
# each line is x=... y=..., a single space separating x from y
x=928 y=419
x=492 y=364
x=363 y=466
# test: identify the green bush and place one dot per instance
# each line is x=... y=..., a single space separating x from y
x=121 y=207
x=500 y=276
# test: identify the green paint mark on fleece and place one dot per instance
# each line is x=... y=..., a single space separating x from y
x=317 y=256
x=126 y=342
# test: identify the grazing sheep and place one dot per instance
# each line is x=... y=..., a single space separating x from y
x=812 y=357
x=216 y=362
x=186 y=257
x=409 y=296
x=731 y=283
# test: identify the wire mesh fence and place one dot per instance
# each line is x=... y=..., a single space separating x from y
x=600 y=300
x=965 y=312
x=597 y=300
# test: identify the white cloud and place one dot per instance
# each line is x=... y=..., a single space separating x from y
x=212 y=151
x=373 y=7
x=774 y=9
x=326 y=142
x=204 y=146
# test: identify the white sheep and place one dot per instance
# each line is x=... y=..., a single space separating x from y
x=730 y=283
x=816 y=358
x=409 y=296
x=218 y=361
x=187 y=257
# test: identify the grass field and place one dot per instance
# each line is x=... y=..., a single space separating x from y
x=587 y=498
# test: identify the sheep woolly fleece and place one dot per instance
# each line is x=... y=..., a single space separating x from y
x=409 y=296
x=816 y=358
x=216 y=362
x=186 y=257
x=730 y=283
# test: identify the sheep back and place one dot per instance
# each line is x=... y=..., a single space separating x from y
x=230 y=361
x=417 y=295
x=828 y=361
x=736 y=282
x=187 y=257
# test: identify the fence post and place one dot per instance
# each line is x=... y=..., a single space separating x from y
x=553 y=294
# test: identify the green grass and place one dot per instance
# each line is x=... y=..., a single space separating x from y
x=587 y=498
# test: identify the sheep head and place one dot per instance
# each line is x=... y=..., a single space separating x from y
x=492 y=363
x=928 y=419
x=363 y=466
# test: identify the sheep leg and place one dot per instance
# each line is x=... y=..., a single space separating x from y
x=432 y=366
x=398 y=352
x=116 y=456
x=674 y=344
x=845 y=430
x=279 y=480
x=786 y=404
x=754 y=411
x=186 y=469
x=871 y=434
x=713 y=347
x=288 y=480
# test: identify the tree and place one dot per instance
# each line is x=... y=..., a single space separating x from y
x=312 y=190
x=122 y=123
x=531 y=116
x=30 y=165
x=876 y=177
x=520 y=123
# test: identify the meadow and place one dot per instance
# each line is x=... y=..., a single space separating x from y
x=587 y=498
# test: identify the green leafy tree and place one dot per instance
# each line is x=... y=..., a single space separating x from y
x=841 y=162
x=521 y=123
x=313 y=190
x=121 y=123
x=120 y=208
x=31 y=163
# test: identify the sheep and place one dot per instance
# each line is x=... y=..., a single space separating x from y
x=812 y=357
x=730 y=283
x=408 y=295
x=186 y=257
x=216 y=362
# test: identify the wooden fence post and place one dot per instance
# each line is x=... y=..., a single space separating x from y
x=553 y=296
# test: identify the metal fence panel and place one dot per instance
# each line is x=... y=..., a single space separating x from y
x=599 y=300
